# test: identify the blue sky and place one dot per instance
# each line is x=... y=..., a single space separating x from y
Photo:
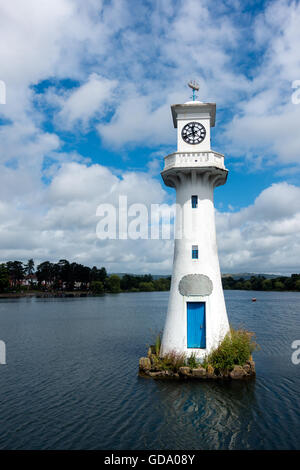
x=89 y=88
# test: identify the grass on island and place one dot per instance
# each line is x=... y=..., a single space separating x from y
x=235 y=349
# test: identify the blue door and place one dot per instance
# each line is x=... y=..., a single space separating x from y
x=196 y=328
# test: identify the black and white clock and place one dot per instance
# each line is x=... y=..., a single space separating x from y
x=193 y=133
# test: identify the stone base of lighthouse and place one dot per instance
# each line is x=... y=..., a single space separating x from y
x=196 y=320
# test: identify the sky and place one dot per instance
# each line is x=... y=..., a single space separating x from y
x=89 y=85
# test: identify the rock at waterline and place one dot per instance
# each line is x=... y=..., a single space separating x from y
x=185 y=371
x=238 y=372
x=149 y=366
x=199 y=372
x=144 y=363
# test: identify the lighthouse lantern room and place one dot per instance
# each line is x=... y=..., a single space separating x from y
x=196 y=319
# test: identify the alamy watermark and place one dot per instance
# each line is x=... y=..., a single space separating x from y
x=139 y=221
x=296 y=95
x=135 y=221
x=296 y=354
x=2 y=353
x=2 y=92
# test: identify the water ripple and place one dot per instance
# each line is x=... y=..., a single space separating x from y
x=71 y=381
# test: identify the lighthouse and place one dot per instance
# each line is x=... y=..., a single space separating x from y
x=196 y=319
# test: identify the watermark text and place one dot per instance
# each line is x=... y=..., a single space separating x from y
x=296 y=93
x=2 y=92
x=2 y=352
x=296 y=354
x=138 y=221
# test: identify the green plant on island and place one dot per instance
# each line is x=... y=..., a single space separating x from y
x=171 y=361
x=235 y=349
x=157 y=344
x=192 y=361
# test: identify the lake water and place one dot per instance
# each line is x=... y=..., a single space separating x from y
x=71 y=378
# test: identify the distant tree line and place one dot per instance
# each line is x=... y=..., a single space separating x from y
x=66 y=276
x=280 y=283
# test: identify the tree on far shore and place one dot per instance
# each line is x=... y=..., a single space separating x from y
x=4 y=279
x=114 y=283
x=29 y=267
x=16 y=272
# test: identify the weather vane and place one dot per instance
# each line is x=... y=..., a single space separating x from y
x=195 y=87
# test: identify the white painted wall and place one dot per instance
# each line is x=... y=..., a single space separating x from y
x=199 y=227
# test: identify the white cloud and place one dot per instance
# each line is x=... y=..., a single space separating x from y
x=49 y=40
x=150 y=52
x=265 y=236
x=265 y=126
x=135 y=121
x=64 y=221
x=261 y=237
x=183 y=42
x=86 y=101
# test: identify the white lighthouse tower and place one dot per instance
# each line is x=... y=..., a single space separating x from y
x=196 y=320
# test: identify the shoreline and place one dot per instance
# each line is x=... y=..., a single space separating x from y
x=70 y=294
x=40 y=294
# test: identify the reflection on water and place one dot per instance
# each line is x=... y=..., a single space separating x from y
x=71 y=378
x=187 y=410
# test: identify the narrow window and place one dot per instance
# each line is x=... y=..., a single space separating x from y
x=194 y=202
x=195 y=251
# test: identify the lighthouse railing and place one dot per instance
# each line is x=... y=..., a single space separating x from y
x=194 y=159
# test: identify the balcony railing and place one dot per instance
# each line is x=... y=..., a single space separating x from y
x=194 y=159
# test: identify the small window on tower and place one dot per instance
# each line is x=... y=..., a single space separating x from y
x=195 y=251
x=194 y=202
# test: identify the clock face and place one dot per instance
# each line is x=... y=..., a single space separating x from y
x=193 y=133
